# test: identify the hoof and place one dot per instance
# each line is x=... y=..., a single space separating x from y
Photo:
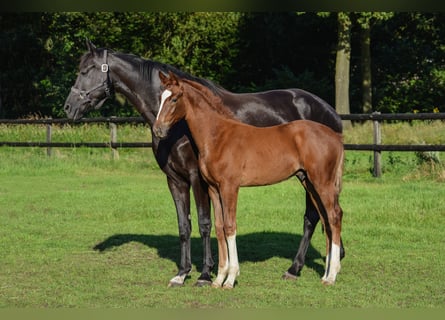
x=327 y=282
x=216 y=285
x=177 y=281
x=203 y=283
x=289 y=276
x=173 y=284
x=227 y=286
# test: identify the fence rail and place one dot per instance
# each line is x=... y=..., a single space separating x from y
x=377 y=147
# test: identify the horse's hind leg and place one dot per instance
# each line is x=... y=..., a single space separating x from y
x=311 y=219
x=180 y=191
x=202 y=200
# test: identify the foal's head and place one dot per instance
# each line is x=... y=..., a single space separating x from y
x=172 y=108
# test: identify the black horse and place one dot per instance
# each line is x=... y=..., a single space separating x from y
x=103 y=71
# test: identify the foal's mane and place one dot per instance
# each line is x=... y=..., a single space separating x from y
x=214 y=101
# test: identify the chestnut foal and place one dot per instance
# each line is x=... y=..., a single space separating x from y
x=233 y=155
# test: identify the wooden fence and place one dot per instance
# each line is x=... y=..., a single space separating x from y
x=377 y=147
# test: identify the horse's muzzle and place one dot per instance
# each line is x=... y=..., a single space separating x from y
x=72 y=113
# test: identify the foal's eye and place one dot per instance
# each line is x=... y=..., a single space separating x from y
x=174 y=100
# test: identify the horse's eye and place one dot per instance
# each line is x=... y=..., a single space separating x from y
x=174 y=100
x=86 y=70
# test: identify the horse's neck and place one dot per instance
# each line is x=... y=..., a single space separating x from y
x=138 y=90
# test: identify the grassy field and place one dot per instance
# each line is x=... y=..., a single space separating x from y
x=82 y=230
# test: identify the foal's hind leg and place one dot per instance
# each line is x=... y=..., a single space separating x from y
x=330 y=213
x=333 y=238
x=311 y=219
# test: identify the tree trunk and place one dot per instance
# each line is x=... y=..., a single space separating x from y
x=342 y=66
x=366 y=70
x=1 y=105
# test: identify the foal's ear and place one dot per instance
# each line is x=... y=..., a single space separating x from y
x=163 y=77
x=168 y=80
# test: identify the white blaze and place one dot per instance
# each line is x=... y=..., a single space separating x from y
x=164 y=96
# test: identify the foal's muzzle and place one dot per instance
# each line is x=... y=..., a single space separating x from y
x=160 y=131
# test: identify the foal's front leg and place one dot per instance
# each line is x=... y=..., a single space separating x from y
x=223 y=258
x=229 y=198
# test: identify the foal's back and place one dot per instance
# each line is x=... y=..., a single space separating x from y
x=261 y=156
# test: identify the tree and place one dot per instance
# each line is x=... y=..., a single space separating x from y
x=409 y=63
x=342 y=65
x=365 y=21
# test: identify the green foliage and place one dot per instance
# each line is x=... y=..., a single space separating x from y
x=202 y=43
x=242 y=51
x=366 y=19
x=410 y=70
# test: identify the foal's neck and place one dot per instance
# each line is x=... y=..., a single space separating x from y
x=206 y=117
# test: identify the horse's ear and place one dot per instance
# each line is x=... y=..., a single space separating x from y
x=90 y=46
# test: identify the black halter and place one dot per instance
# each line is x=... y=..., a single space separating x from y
x=85 y=95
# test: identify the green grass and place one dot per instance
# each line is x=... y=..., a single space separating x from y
x=55 y=211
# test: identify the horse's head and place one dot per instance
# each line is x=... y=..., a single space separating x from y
x=171 y=109
x=93 y=85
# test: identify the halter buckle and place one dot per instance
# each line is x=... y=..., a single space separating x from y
x=104 y=67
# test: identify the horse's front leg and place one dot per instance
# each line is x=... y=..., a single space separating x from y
x=200 y=192
x=223 y=258
x=180 y=191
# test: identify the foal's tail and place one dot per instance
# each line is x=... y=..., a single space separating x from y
x=339 y=173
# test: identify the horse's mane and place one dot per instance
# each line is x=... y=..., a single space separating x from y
x=148 y=67
x=214 y=101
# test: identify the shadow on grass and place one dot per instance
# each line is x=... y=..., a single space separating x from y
x=252 y=247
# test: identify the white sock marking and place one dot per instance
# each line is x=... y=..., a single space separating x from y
x=233 y=261
x=335 y=258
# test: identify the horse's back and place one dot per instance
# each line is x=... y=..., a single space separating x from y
x=275 y=107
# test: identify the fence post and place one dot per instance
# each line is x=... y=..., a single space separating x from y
x=48 y=139
x=377 y=154
x=113 y=139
